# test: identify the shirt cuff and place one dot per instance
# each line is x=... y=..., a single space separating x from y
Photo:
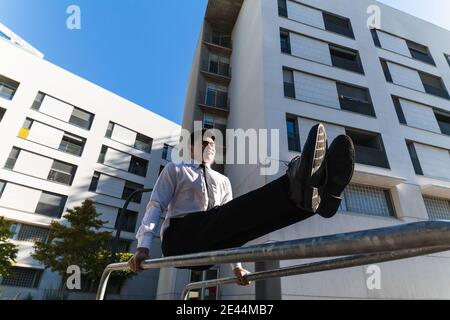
x=236 y=265
x=145 y=241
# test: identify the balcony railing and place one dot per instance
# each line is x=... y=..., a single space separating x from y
x=358 y=106
x=219 y=68
x=371 y=156
x=219 y=39
x=216 y=99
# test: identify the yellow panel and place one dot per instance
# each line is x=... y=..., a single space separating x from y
x=23 y=133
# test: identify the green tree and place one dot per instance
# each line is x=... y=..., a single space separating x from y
x=8 y=251
x=77 y=243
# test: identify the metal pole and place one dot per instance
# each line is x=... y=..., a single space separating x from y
x=120 y=218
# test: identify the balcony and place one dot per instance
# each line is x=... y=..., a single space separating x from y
x=358 y=106
x=219 y=43
x=216 y=71
x=214 y=102
x=371 y=156
x=436 y=91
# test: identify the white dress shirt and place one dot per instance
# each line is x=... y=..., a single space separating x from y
x=179 y=190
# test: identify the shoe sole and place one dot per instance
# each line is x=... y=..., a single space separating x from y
x=312 y=197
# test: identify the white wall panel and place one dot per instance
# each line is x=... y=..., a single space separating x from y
x=419 y=116
x=107 y=213
x=33 y=164
x=317 y=90
x=435 y=162
x=305 y=14
x=393 y=43
x=123 y=135
x=20 y=198
x=110 y=186
x=56 y=108
x=405 y=76
x=45 y=135
x=309 y=48
x=117 y=159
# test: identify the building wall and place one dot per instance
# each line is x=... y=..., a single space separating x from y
x=40 y=145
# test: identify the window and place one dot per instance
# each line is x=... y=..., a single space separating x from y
x=51 y=204
x=38 y=101
x=22 y=277
x=420 y=52
x=399 y=110
x=110 y=129
x=167 y=152
x=220 y=39
x=81 y=118
x=2 y=113
x=375 y=37
x=62 y=172
x=216 y=97
x=293 y=134
x=337 y=24
x=72 y=144
x=26 y=127
x=443 y=119
x=138 y=166
x=289 y=86
x=2 y=187
x=285 y=42
x=387 y=73
x=414 y=158
x=101 y=157
x=12 y=158
x=124 y=246
x=8 y=88
x=32 y=233
x=94 y=182
x=4 y=36
x=447 y=57
x=129 y=188
x=161 y=168
x=219 y=65
x=355 y=99
x=210 y=293
x=437 y=209
x=367 y=200
x=143 y=143
x=433 y=85
x=369 y=148
x=282 y=8
x=346 y=59
x=129 y=221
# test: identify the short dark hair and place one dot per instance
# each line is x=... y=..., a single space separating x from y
x=202 y=133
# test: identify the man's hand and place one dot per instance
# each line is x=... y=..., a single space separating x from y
x=140 y=255
x=240 y=274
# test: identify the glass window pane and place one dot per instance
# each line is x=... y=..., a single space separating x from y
x=437 y=209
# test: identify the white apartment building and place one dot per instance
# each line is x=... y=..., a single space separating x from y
x=64 y=140
x=295 y=63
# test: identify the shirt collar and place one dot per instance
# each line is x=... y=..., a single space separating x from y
x=195 y=164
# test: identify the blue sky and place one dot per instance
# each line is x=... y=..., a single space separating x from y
x=139 y=49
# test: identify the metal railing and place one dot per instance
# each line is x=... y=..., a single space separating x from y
x=355 y=249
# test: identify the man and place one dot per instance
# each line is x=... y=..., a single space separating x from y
x=201 y=215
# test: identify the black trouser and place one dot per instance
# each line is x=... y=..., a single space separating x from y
x=235 y=223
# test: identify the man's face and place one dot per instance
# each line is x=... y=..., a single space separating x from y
x=208 y=151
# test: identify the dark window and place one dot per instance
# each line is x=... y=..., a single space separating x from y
x=448 y=58
x=433 y=85
x=72 y=144
x=346 y=59
x=420 y=52
x=161 y=168
x=27 y=123
x=2 y=187
x=8 y=87
x=143 y=143
x=81 y=118
x=124 y=246
x=167 y=152
x=22 y=277
x=38 y=101
x=399 y=110
x=94 y=182
x=443 y=119
x=12 y=158
x=289 y=86
x=138 y=166
x=369 y=148
x=216 y=98
x=282 y=8
x=367 y=200
x=62 y=172
x=2 y=113
x=285 y=42
x=386 y=71
x=129 y=188
x=51 y=204
x=32 y=234
x=337 y=24
x=129 y=221
x=355 y=99
x=414 y=158
x=375 y=37
x=293 y=134
x=110 y=130
x=220 y=39
x=101 y=157
x=4 y=36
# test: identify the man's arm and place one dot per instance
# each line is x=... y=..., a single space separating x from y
x=161 y=196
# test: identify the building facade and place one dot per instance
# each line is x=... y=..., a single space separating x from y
x=64 y=140
x=289 y=64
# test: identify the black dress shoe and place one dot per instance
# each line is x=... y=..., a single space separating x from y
x=340 y=167
x=308 y=172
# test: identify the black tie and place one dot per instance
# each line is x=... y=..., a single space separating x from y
x=208 y=181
